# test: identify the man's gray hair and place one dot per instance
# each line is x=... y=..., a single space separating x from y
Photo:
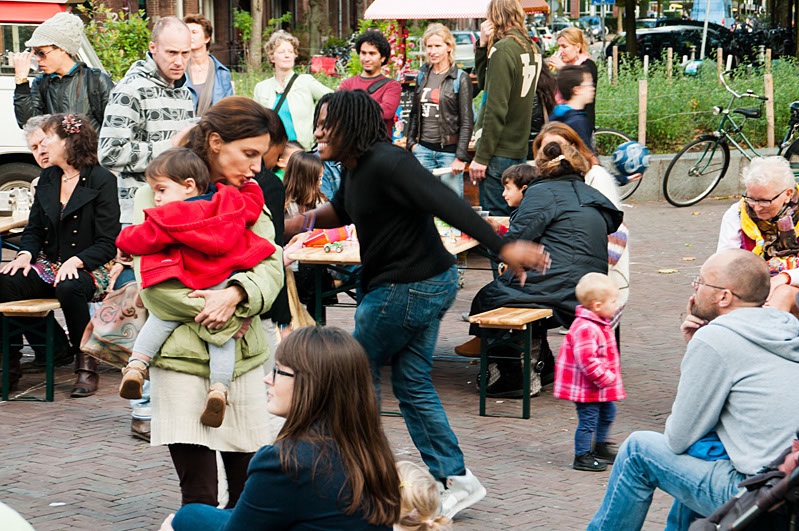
x=164 y=23
x=768 y=170
x=34 y=123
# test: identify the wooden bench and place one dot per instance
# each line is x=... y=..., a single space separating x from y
x=10 y=326
x=508 y=319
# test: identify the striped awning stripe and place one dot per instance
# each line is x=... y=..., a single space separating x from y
x=439 y=9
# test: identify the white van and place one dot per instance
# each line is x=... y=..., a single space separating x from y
x=17 y=167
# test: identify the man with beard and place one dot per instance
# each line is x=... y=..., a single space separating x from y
x=739 y=371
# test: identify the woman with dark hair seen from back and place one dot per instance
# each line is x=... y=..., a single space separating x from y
x=408 y=278
x=231 y=139
x=331 y=467
x=69 y=239
x=572 y=220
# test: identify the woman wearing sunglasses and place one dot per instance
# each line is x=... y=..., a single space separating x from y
x=765 y=221
x=331 y=466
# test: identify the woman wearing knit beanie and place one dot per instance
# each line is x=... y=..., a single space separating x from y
x=66 y=85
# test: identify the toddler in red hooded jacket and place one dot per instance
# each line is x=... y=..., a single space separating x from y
x=588 y=372
x=197 y=233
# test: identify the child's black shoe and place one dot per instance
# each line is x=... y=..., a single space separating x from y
x=605 y=451
x=588 y=463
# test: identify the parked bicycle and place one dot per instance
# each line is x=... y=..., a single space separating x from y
x=699 y=166
x=605 y=142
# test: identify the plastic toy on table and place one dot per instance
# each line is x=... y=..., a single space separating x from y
x=321 y=237
x=335 y=246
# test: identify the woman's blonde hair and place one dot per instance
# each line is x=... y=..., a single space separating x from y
x=420 y=500
x=506 y=15
x=575 y=37
x=436 y=28
x=278 y=38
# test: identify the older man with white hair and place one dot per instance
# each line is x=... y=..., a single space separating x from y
x=765 y=221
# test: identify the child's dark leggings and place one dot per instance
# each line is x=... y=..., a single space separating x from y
x=592 y=417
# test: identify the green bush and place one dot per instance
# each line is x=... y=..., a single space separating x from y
x=119 y=39
x=680 y=109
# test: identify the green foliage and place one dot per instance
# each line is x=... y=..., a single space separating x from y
x=119 y=39
x=680 y=109
x=275 y=24
x=242 y=21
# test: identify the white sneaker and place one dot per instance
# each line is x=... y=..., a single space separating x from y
x=460 y=492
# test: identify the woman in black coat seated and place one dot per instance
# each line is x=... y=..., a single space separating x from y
x=69 y=239
x=572 y=221
x=331 y=467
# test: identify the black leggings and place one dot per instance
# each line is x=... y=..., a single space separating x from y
x=196 y=468
x=73 y=294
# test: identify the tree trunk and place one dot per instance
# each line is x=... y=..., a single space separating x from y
x=317 y=23
x=629 y=29
x=257 y=32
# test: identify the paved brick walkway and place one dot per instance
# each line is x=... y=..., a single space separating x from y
x=71 y=464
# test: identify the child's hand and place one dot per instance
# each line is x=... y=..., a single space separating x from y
x=494 y=224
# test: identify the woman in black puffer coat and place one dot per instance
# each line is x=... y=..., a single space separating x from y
x=572 y=221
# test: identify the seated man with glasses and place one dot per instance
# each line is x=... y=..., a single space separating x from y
x=738 y=374
x=765 y=221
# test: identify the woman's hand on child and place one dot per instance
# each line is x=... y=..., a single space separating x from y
x=219 y=305
x=69 y=270
x=245 y=325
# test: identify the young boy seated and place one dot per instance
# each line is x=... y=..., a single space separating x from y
x=577 y=88
x=514 y=181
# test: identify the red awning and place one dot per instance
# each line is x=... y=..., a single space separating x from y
x=29 y=11
x=439 y=9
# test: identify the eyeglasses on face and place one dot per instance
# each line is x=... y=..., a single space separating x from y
x=41 y=54
x=695 y=283
x=276 y=371
x=762 y=202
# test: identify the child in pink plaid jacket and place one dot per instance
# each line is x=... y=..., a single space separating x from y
x=588 y=373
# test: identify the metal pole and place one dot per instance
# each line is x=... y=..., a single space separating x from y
x=704 y=29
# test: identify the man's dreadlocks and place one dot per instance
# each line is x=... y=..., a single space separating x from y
x=354 y=121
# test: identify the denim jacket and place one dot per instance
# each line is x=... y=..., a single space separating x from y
x=223 y=87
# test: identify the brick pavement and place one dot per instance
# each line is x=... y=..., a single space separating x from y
x=71 y=464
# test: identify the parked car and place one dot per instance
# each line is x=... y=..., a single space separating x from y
x=558 y=24
x=655 y=41
x=465 y=43
x=547 y=38
x=646 y=22
x=593 y=27
x=17 y=166
x=534 y=34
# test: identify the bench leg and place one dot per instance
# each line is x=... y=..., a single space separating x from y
x=6 y=357
x=483 y=371
x=528 y=333
x=50 y=374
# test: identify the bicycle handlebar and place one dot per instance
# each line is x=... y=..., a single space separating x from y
x=749 y=93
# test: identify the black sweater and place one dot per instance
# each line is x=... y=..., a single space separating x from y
x=392 y=199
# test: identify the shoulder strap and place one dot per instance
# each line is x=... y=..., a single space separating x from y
x=286 y=92
x=374 y=87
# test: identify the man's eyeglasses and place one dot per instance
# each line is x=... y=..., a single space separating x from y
x=40 y=54
x=762 y=202
x=276 y=371
x=695 y=283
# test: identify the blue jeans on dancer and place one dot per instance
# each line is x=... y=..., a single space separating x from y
x=398 y=324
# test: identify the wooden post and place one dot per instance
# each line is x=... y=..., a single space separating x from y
x=769 y=82
x=669 y=60
x=729 y=62
x=720 y=62
x=642 y=95
x=768 y=61
x=615 y=63
x=646 y=66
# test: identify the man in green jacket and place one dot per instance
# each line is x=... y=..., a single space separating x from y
x=507 y=64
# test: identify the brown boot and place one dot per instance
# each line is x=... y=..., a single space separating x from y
x=470 y=349
x=88 y=379
x=214 y=412
x=133 y=377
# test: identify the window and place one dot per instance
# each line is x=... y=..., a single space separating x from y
x=12 y=39
x=463 y=38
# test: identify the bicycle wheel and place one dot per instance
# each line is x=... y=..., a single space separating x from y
x=605 y=143
x=792 y=155
x=695 y=171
